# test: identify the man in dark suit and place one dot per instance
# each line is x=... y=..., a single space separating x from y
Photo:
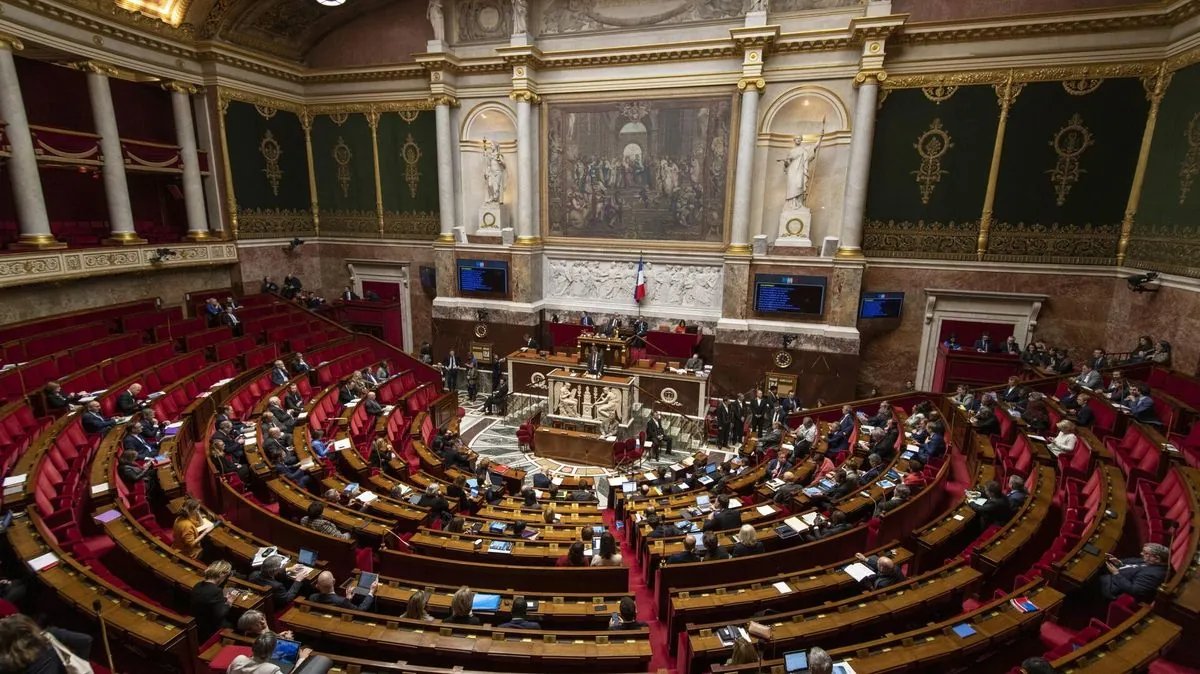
x=984 y=344
x=886 y=571
x=128 y=403
x=279 y=374
x=348 y=295
x=688 y=554
x=1141 y=406
x=758 y=412
x=225 y=413
x=529 y=342
x=292 y=400
x=94 y=421
x=899 y=497
x=640 y=328
x=325 y=595
x=995 y=508
x=611 y=327
x=1099 y=359
x=371 y=406
x=284 y=588
x=595 y=363
x=1016 y=495
x=232 y=441
x=781 y=464
x=724 y=422
x=275 y=409
x=133 y=441
x=276 y=447
x=1084 y=416
x=935 y=446
x=450 y=368
x=656 y=434
x=771 y=438
x=723 y=517
x=269 y=285
x=1014 y=392
x=833 y=526
x=586 y=319
x=839 y=437
x=737 y=419
x=985 y=422
x=883 y=442
x=1138 y=577
x=439 y=508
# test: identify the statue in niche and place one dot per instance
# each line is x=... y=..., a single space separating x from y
x=798 y=167
x=493 y=172
x=520 y=14
x=437 y=20
x=757 y=5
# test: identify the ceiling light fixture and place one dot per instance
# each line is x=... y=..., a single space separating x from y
x=331 y=3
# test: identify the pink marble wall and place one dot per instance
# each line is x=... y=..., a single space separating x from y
x=1073 y=317
x=23 y=303
x=949 y=10
x=1171 y=314
x=271 y=260
x=390 y=35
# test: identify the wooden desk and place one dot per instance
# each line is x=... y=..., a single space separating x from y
x=1077 y=567
x=425 y=569
x=574 y=447
x=1128 y=647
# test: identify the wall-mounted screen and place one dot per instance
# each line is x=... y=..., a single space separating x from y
x=881 y=305
x=483 y=278
x=794 y=295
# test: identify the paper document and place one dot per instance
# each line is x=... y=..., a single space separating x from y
x=43 y=562
x=859 y=571
x=15 y=480
x=783 y=587
x=765 y=510
x=796 y=524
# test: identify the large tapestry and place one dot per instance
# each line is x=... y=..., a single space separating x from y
x=653 y=169
x=269 y=166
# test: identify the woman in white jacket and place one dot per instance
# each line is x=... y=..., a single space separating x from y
x=1064 y=442
x=259 y=661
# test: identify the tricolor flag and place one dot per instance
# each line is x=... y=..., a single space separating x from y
x=639 y=287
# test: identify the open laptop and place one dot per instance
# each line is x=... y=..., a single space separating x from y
x=485 y=602
x=795 y=662
x=308 y=558
x=704 y=503
x=287 y=652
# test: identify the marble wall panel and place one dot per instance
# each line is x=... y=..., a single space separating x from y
x=950 y=10
x=1172 y=314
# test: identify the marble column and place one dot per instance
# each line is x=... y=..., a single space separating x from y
x=22 y=165
x=859 y=170
x=116 y=189
x=185 y=135
x=739 y=235
x=525 y=231
x=445 y=166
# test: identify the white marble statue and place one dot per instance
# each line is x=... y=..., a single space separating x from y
x=757 y=5
x=493 y=172
x=437 y=20
x=798 y=166
x=520 y=14
x=568 y=403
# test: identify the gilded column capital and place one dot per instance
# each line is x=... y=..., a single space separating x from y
x=97 y=67
x=755 y=83
x=879 y=75
x=176 y=86
x=526 y=96
x=11 y=42
x=443 y=99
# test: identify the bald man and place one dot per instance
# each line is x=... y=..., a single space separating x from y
x=886 y=571
x=688 y=554
x=325 y=594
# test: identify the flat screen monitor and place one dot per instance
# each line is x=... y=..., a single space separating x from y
x=483 y=278
x=793 y=295
x=881 y=305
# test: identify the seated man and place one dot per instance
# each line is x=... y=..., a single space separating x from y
x=1016 y=495
x=694 y=363
x=935 y=446
x=1138 y=577
x=371 y=406
x=497 y=399
x=275 y=409
x=128 y=403
x=94 y=421
x=781 y=464
x=1140 y=405
x=984 y=344
x=886 y=571
x=56 y=400
x=520 y=616
x=232 y=441
x=826 y=528
x=784 y=494
x=279 y=374
x=899 y=497
x=839 y=437
x=687 y=555
x=325 y=594
x=1089 y=377
x=129 y=471
x=293 y=402
x=772 y=438
x=995 y=509
x=626 y=619
x=657 y=434
x=284 y=588
x=134 y=441
x=584 y=492
x=723 y=517
x=1014 y=392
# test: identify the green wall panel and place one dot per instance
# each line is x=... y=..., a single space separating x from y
x=1067 y=168
x=343 y=158
x=1166 y=232
x=408 y=173
x=929 y=170
x=272 y=198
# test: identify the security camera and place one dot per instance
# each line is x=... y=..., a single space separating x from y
x=1141 y=283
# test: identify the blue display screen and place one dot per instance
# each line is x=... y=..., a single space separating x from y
x=483 y=277
x=778 y=293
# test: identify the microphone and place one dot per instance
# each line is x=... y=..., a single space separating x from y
x=97 y=605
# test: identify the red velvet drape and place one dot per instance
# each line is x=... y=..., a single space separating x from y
x=143 y=111
x=388 y=292
x=55 y=95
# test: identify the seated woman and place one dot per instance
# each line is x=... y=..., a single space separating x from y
x=1065 y=441
x=607 y=555
x=747 y=542
x=574 y=556
x=1036 y=415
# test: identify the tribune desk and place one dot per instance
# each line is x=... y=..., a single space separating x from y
x=687 y=394
x=574 y=447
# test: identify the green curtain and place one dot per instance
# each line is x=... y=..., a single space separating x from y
x=269 y=166
x=408 y=174
x=929 y=170
x=344 y=162
x=1069 y=157
x=1166 y=231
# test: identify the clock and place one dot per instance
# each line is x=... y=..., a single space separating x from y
x=783 y=360
x=481 y=330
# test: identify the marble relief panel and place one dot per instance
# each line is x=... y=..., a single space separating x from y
x=586 y=16
x=609 y=284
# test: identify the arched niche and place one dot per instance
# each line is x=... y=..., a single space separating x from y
x=496 y=122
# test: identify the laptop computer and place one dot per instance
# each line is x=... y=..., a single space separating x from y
x=628 y=487
x=704 y=503
x=308 y=557
x=710 y=468
x=795 y=662
x=285 y=655
x=485 y=602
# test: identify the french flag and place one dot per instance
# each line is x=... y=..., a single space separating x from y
x=639 y=288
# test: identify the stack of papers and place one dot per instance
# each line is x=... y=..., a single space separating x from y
x=15 y=480
x=796 y=524
x=46 y=561
x=344 y=443
x=765 y=510
x=859 y=571
x=366 y=497
x=783 y=587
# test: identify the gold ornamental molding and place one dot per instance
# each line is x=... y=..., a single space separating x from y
x=752 y=83
x=96 y=67
x=450 y=101
x=181 y=87
x=525 y=95
x=11 y=42
x=17 y=269
x=863 y=75
x=1023 y=75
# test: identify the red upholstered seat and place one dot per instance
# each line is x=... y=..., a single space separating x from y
x=226 y=655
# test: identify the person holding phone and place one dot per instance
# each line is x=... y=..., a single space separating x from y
x=325 y=594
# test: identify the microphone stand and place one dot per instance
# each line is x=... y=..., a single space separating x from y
x=97 y=605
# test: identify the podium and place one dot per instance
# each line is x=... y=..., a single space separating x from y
x=600 y=405
x=616 y=350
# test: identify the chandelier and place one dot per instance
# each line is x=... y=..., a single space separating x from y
x=331 y=3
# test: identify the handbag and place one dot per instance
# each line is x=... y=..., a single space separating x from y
x=73 y=664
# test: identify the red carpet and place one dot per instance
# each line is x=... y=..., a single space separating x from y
x=660 y=660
